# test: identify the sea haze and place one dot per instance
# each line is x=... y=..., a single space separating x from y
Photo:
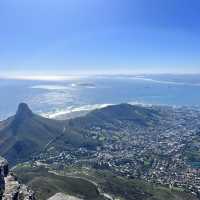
x=51 y=98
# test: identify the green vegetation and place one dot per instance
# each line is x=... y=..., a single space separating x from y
x=140 y=116
x=83 y=182
x=46 y=184
x=26 y=134
x=58 y=142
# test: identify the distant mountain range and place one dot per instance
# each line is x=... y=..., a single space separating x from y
x=26 y=134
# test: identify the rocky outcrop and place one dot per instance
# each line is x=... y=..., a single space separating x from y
x=23 y=113
x=61 y=196
x=3 y=174
x=10 y=188
x=3 y=167
x=25 y=134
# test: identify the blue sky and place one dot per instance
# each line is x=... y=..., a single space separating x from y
x=100 y=36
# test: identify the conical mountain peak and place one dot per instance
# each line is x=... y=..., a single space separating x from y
x=23 y=111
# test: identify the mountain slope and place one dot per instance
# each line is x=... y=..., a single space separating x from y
x=137 y=115
x=92 y=184
x=26 y=133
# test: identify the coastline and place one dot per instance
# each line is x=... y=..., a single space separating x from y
x=73 y=112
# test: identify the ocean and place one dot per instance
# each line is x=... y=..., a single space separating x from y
x=52 y=98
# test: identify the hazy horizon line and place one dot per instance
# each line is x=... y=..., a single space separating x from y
x=63 y=75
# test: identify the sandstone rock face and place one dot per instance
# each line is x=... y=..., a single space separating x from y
x=3 y=167
x=61 y=196
x=10 y=188
x=3 y=174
